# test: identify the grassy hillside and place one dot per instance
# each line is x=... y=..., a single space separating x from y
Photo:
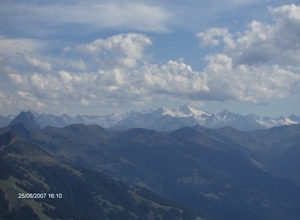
x=70 y=192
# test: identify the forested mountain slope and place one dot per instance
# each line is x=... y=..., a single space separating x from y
x=224 y=173
x=63 y=191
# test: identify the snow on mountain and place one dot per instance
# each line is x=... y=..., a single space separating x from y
x=170 y=119
x=289 y=122
x=199 y=116
x=267 y=122
x=223 y=117
x=233 y=119
x=160 y=112
x=294 y=118
x=182 y=111
x=187 y=111
x=164 y=119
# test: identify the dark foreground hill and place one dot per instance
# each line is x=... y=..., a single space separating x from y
x=63 y=191
x=224 y=173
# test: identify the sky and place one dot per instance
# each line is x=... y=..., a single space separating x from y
x=98 y=57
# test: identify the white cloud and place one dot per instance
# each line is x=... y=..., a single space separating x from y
x=260 y=64
x=117 y=86
x=174 y=79
x=289 y=14
x=77 y=64
x=221 y=80
x=65 y=76
x=29 y=99
x=252 y=84
x=137 y=16
x=19 y=101
x=34 y=62
x=55 y=86
x=10 y=46
x=262 y=43
x=5 y=100
x=84 y=101
x=119 y=50
x=213 y=37
x=16 y=77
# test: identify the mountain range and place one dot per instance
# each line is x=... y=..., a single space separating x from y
x=163 y=119
x=221 y=173
x=64 y=191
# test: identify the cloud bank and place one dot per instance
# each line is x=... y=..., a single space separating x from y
x=46 y=18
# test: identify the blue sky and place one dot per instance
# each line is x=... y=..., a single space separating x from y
x=97 y=57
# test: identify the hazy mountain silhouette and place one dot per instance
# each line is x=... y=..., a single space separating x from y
x=164 y=119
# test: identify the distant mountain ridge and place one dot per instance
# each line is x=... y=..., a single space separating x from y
x=26 y=118
x=164 y=119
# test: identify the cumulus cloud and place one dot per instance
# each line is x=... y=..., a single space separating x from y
x=119 y=50
x=258 y=64
x=214 y=36
x=77 y=64
x=35 y=62
x=261 y=42
x=173 y=79
x=28 y=100
x=15 y=76
x=5 y=99
x=288 y=15
x=253 y=84
x=117 y=86
x=19 y=101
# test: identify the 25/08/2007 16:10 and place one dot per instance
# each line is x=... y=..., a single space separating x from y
x=39 y=195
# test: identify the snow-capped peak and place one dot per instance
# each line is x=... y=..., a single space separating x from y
x=161 y=119
x=179 y=112
x=226 y=115
x=160 y=112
